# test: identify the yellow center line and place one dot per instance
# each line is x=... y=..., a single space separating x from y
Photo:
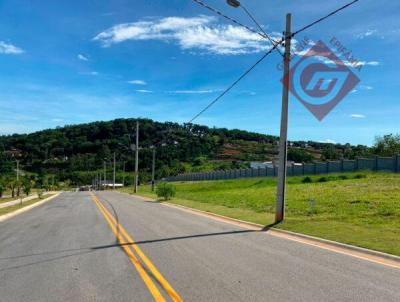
x=147 y=280
x=160 y=278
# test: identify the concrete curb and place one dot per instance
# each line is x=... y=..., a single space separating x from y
x=273 y=230
x=359 y=252
x=27 y=208
x=25 y=199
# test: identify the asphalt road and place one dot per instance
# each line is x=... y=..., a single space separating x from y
x=71 y=249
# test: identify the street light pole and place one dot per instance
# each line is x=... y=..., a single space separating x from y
x=282 y=164
x=17 y=170
x=153 y=168
x=136 y=158
x=123 y=175
x=114 y=174
x=105 y=174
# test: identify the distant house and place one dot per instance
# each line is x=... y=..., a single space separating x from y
x=109 y=184
x=261 y=165
x=13 y=152
x=271 y=164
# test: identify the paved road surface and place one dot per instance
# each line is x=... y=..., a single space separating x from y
x=71 y=249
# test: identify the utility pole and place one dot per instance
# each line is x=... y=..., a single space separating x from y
x=105 y=174
x=136 y=158
x=17 y=170
x=153 y=168
x=123 y=175
x=114 y=174
x=280 y=196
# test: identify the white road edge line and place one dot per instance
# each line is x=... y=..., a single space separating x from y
x=333 y=246
x=337 y=247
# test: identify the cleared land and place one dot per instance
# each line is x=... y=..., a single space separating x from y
x=362 y=209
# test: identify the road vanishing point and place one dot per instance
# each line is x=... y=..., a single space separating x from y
x=108 y=246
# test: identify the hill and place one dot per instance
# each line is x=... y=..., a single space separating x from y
x=180 y=148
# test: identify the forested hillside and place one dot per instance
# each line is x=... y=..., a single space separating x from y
x=65 y=151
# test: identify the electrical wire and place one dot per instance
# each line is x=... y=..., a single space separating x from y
x=236 y=82
x=266 y=54
x=232 y=20
x=273 y=42
x=323 y=18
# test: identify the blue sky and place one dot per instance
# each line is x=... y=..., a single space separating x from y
x=68 y=62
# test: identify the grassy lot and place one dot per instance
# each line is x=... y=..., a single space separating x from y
x=10 y=209
x=356 y=208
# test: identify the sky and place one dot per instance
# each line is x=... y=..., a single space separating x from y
x=71 y=62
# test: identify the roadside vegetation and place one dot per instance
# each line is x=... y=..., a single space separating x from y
x=361 y=208
x=18 y=206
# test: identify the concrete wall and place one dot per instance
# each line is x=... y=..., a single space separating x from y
x=390 y=164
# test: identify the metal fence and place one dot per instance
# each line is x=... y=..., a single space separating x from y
x=389 y=164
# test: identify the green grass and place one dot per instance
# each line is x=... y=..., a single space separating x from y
x=7 y=199
x=362 y=209
x=10 y=209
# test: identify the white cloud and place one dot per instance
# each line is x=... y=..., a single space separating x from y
x=92 y=73
x=144 y=91
x=368 y=33
x=191 y=91
x=82 y=57
x=328 y=141
x=357 y=115
x=369 y=63
x=137 y=82
x=6 y=48
x=366 y=87
x=201 y=33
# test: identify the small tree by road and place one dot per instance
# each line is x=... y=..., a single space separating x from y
x=2 y=189
x=27 y=186
x=165 y=190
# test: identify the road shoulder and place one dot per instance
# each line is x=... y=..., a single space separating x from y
x=334 y=246
x=27 y=208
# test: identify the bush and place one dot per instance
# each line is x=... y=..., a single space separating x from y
x=343 y=177
x=40 y=193
x=306 y=180
x=165 y=190
x=358 y=176
x=322 y=179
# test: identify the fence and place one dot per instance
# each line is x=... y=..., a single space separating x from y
x=390 y=164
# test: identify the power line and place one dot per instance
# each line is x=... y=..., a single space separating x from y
x=273 y=42
x=325 y=17
x=236 y=82
x=264 y=35
x=266 y=54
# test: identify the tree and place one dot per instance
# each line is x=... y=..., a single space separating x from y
x=299 y=156
x=27 y=186
x=12 y=184
x=2 y=189
x=387 y=145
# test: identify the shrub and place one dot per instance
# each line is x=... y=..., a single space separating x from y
x=40 y=193
x=165 y=190
x=306 y=180
x=358 y=176
x=322 y=179
x=343 y=177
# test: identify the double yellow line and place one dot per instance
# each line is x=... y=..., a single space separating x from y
x=127 y=244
